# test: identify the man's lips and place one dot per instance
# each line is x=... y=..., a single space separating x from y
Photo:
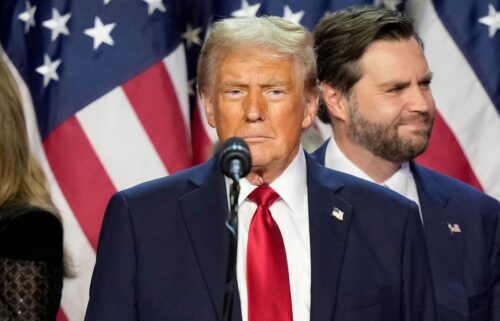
x=418 y=124
x=255 y=139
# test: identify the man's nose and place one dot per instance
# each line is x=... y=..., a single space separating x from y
x=255 y=106
x=421 y=100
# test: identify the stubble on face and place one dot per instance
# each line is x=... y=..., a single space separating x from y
x=384 y=140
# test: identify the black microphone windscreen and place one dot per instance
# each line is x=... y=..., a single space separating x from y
x=235 y=156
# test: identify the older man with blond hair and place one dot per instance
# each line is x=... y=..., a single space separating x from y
x=313 y=244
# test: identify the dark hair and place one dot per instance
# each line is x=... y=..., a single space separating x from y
x=342 y=38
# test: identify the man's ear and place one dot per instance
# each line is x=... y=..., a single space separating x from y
x=311 y=109
x=208 y=104
x=335 y=101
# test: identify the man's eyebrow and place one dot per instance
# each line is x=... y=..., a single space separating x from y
x=275 y=83
x=428 y=77
x=395 y=83
x=233 y=82
x=269 y=83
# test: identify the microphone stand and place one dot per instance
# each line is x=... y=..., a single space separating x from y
x=232 y=226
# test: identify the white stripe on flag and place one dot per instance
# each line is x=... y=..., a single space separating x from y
x=76 y=290
x=176 y=66
x=119 y=140
x=460 y=98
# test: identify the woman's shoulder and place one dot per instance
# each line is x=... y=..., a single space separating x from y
x=30 y=233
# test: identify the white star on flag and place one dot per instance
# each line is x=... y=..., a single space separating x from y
x=155 y=5
x=106 y=2
x=192 y=36
x=57 y=24
x=246 y=10
x=100 y=33
x=49 y=70
x=291 y=16
x=28 y=17
x=492 y=20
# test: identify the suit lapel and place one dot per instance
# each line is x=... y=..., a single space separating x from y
x=204 y=210
x=328 y=236
x=319 y=154
x=445 y=248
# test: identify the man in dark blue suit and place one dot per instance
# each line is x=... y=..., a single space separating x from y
x=353 y=251
x=377 y=98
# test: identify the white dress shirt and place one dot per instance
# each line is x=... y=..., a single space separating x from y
x=291 y=213
x=402 y=181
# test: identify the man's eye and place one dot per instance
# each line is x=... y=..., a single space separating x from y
x=233 y=93
x=394 y=89
x=275 y=93
x=425 y=84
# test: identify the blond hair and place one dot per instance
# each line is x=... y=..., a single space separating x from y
x=287 y=38
x=22 y=181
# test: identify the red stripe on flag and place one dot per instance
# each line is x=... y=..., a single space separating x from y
x=80 y=175
x=202 y=146
x=445 y=155
x=153 y=97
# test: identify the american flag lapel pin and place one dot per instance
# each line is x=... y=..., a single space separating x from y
x=454 y=228
x=338 y=214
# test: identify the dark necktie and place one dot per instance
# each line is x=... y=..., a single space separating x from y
x=267 y=271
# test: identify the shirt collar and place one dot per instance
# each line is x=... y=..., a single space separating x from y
x=291 y=185
x=337 y=160
x=400 y=181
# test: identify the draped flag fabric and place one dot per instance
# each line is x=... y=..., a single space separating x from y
x=109 y=93
x=462 y=46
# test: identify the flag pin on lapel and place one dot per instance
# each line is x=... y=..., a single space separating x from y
x=338 y=214
x=454 y=228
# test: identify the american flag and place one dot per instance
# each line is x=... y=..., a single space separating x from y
x=109 y=93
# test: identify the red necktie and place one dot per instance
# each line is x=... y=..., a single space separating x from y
x=267 y=271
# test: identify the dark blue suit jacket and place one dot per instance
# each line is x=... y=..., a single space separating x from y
x=163 y=251
x=465 y=265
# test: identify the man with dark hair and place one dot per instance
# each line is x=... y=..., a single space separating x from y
x=313 y=244
x=377 y=98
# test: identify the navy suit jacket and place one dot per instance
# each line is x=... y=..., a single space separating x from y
x=465 y=265
x=163 y=251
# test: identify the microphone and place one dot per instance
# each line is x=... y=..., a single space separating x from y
x=235 y=159
x=235 y=162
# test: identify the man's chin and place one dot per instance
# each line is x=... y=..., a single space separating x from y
x=414 y=132
x=259 y=153
x=416 y=139
x=258 y=165
x=412 y=150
